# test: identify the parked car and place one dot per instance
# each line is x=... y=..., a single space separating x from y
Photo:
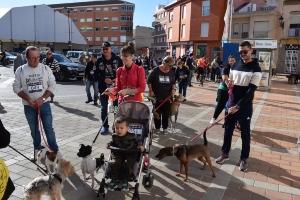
x=67 y=69
x=10 y=57
x=13 y=53
x=74 y=56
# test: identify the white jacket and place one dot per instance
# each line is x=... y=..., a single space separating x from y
x=34 y=81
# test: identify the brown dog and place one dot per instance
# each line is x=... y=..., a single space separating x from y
x=187 y=153
x=174 y=110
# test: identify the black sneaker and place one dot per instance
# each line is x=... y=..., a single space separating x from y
x=88 y=101
x=95 y=103
x=243 y=165
x=125 y=185
x=222 y=158
x=112 y=185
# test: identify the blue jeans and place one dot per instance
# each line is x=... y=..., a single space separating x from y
x=88 y=92
x=182 y=87
x=244 y=116
x=46 y=116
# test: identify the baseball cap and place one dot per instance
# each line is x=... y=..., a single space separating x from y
x=106 y=44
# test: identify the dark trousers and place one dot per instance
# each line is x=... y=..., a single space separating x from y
x=244 y=116
x=222 y=99
x=213 y=74
x=163 y=112
x=122 y=167
x=182 y=87
x=104 y=104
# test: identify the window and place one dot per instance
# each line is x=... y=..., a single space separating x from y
x=105 y=19
x=170 y=16
x=82 y=20
x=89 y=19
x=105 y=28
x=97 y=28
x=204 y=29
x=105 y=9
x=98 y=19
x=245 y=30
x=129 y=8
x=123 y=8
x=261 y=29
x=114 y=28
x=89 y=10
x=129 y=18
x=98 y=9
x=235 y=30
x=160 y=39
x=114 y=9
x=82 y=10
x=126 y=28
x=205 y=8
x=75 y=11
x=183 y=31
x=97 y=39
x=170 y=33
x=75 y=20
x=158 y=16
x=184 y=12
x=114 y=19
x=165 y=27
x=165 y=39
x=89 y=29
x=158 y=28
x=82 y=29
x=114 y=39
x=165 y=14
x=89 y=38
x=105 y=39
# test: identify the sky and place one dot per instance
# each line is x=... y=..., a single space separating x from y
x=143 y=14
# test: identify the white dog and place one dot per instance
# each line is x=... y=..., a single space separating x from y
x=51 y=158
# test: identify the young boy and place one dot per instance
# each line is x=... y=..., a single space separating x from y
x=122 y=163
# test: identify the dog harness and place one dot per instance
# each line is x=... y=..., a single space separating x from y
x=55 y=176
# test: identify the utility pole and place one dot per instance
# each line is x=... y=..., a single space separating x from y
x=69 y=42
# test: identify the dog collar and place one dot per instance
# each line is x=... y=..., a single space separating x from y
x=57 y=177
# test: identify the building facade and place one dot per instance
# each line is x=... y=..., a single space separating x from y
x=101 y=21
x=160 y=47
x=195 y=26
x=142 y=36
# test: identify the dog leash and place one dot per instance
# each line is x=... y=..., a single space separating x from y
x=209 y=127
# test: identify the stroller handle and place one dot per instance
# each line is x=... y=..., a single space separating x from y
x=125 y=150
x=127 y=96
x=152 y=99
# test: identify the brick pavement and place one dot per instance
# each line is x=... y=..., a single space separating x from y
x=274 y=165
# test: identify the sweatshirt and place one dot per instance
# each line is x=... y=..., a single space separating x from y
x=34 y=81
x=180 y=73
x=133 y=78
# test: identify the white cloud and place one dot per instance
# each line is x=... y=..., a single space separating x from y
x=3 y=11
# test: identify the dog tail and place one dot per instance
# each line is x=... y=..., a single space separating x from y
x=205 y=140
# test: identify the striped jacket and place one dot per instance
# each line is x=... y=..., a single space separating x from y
x=53 y=66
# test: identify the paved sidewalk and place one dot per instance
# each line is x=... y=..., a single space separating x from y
x=274 y=165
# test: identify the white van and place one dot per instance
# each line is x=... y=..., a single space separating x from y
x=74 y=56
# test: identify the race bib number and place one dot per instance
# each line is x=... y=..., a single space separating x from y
x=37 y=87
x=164 y=79
x=92 y=72
x=138 y=130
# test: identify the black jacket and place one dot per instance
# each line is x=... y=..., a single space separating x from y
x=90 y=72
x=107 y=69
x=5 y=136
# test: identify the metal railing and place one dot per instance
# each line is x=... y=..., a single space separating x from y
x=245 y=34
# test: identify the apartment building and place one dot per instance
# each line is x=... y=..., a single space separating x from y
x=142 y=36
x=195 y=26
x=160 y=46
x=101 y=21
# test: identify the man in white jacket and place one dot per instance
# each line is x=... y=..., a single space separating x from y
x=34 y=83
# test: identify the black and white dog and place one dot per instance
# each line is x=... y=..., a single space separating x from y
x=88 y=164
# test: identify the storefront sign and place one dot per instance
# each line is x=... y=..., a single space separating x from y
x=263 y=44
x=292 y=47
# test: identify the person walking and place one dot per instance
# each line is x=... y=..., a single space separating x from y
x=106 y=66
x=34 y=83
x=201 y=64
x=139 y=61
x=82 y=59
x=244 y=77
x=54 y=66
x=146 y=65
x=182 y=76
x=91 y=79
x=18 y=61
x=3 y=58
x=190 y=64
x=222 y=94
x=215 y=68
x=130 y=77
x=161 y=84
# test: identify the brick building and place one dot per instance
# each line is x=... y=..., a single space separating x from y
x=142 y=36
x=195 y=26
x=101 y=21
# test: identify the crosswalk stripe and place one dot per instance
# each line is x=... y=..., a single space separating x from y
x=6 y=83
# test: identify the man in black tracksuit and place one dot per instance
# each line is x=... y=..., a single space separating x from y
x=244 y=77
x=107 y=66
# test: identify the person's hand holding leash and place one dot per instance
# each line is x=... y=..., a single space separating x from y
x=151 y=93
x=31 y=102
x=108 y=91
x=232 y=110
x=123 y=92
x=39 y=101
x=141 y=148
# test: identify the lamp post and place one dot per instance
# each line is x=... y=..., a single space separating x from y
x=69 y=42
x=281 y=22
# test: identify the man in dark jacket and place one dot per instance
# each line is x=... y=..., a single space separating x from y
x=244 y=77
x=18 y=61
x=190 y=65
x=106 y=67
x=91 y=79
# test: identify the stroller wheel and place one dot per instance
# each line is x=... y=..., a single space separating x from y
x=136 y=195
x=148 y=180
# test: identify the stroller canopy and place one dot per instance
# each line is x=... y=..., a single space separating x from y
x=133 y=110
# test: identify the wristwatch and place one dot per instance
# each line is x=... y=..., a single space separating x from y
x=237 y=107
x=44 y=99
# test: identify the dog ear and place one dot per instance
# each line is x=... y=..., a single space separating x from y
x=102 y=156
x=47 y=153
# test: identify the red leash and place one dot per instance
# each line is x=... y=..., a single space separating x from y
x=40 y=123
x=209 y=127
x=167 y=99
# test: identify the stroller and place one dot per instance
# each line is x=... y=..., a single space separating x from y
x=140 y=122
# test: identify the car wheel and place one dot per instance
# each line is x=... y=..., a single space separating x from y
x=62 y=76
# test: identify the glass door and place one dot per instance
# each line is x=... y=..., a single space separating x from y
x=291 y=61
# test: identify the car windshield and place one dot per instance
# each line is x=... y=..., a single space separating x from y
x=73 y=55
x=61 y=58
x=8 y=54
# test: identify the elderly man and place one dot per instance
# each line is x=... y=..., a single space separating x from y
x=107 y=66
x=53 y=64
x=34 y=83
x=18 y=61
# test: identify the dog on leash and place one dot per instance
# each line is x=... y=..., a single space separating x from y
x=49 y=185
x=89 y=165
x=174 y=110
x=51 y=158
x=187 y=153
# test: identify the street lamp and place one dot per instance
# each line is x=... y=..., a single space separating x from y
x=69 y=42
x=281 y=22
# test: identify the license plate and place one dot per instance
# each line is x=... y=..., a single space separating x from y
x=81 y=74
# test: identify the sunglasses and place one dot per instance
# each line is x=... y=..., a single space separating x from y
x=243 y=52
x=104 y=49
x=49 y=53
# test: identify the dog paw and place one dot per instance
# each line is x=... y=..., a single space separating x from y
x=177 y=174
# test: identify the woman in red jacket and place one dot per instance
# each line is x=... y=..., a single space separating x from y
x=130 y=78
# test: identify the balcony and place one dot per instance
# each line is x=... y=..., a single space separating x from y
x=245 y=34
x=294 y=32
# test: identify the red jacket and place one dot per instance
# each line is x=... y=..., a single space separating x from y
x=134 y=78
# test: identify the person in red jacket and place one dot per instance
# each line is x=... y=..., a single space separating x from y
x=130 y=78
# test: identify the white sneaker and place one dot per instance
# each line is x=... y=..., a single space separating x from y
x=32 y=157
x=165 y=131
x=212 y=120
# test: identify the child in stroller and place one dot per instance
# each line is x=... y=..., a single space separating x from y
x=122 y=163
